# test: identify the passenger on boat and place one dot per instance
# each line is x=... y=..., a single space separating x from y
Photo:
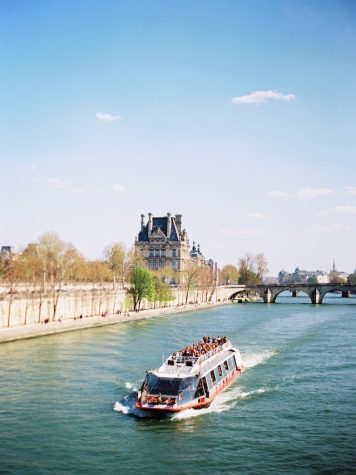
x=202 y=347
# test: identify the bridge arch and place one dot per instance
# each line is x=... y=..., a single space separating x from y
x=269 y=292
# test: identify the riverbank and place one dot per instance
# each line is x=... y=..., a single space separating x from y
x=51 y=328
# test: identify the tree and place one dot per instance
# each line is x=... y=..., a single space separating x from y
x=352 y=279
x=142 y=286
x=252 y=269
x=261 y=266
x=135 y=258
x=98 y=274
x=162 y=291
x=117 y=259
x=190 y=279
x=229 y=274
x=58 y=257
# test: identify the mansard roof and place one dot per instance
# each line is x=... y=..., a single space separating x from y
x=160 y=223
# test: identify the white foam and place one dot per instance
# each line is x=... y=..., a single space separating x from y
x=223 y=402
x=129 y=409
x=131 y=386
x=255 y=359
x=118 y=407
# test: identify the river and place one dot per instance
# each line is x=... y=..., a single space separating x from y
x=66 y=400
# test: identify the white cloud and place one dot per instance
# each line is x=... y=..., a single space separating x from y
x=310 y=192
x=116 y=188
x=306 y=193
x=327 y=228
x=258 y=216
x=64 y=185
x=279 y=194
x=351 y=190
x=106 y=117
x=342 y=210
x=259 y=97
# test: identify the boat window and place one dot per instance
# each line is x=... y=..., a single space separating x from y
x=226 y=365
x=200 y=390
x=205 y=386
x=169 y=386
x=220 y=371
x=234 y=362
x=170 y=362
x=212 y=374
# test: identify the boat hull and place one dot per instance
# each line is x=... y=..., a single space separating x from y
x=199 y=403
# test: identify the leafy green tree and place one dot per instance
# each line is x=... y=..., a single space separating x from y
x=352 y=279
x=229 y=274
x=162 y=291
x=142 y=286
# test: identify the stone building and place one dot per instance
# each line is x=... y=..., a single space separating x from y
x=165 y=245
x=7 y=252
x=300 y=276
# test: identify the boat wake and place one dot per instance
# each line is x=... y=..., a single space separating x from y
x=131 y=386
x=255 y=359
x=223 y=402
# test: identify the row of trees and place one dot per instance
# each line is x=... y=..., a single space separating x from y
x=45 y=269
x=251 y=270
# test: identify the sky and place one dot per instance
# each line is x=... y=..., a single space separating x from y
x=241 y=116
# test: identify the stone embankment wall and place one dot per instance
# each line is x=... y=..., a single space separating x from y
x=17 y=309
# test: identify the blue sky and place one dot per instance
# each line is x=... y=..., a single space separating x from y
x=239 y=115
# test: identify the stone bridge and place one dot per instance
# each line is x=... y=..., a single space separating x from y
x=269 y=293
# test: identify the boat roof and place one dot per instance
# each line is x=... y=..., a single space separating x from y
x=185 y=366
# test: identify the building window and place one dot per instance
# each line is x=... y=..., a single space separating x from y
x=174 y=265
x=156 y=252
x=151 y=253
x=174 y=252
x=163 y=253
x=150 y=264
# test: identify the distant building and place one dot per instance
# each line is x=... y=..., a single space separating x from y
x=270 y=280
x=165 y=245
x=7 y=252
x=336 y=276
x=300 y=276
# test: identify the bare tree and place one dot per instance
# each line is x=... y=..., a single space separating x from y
x=252 y=268
x=117 y=258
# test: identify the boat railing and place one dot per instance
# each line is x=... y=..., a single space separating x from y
x=192 y=360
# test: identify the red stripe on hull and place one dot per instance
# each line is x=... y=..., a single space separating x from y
x=196 y=405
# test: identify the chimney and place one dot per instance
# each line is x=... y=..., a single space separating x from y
x=179 y=223
x=142 y=222
x=169 y=225
x=149 y=224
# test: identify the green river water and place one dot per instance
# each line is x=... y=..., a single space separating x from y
x=66 y=400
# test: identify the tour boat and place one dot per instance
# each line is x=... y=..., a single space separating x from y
x=191 y=378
